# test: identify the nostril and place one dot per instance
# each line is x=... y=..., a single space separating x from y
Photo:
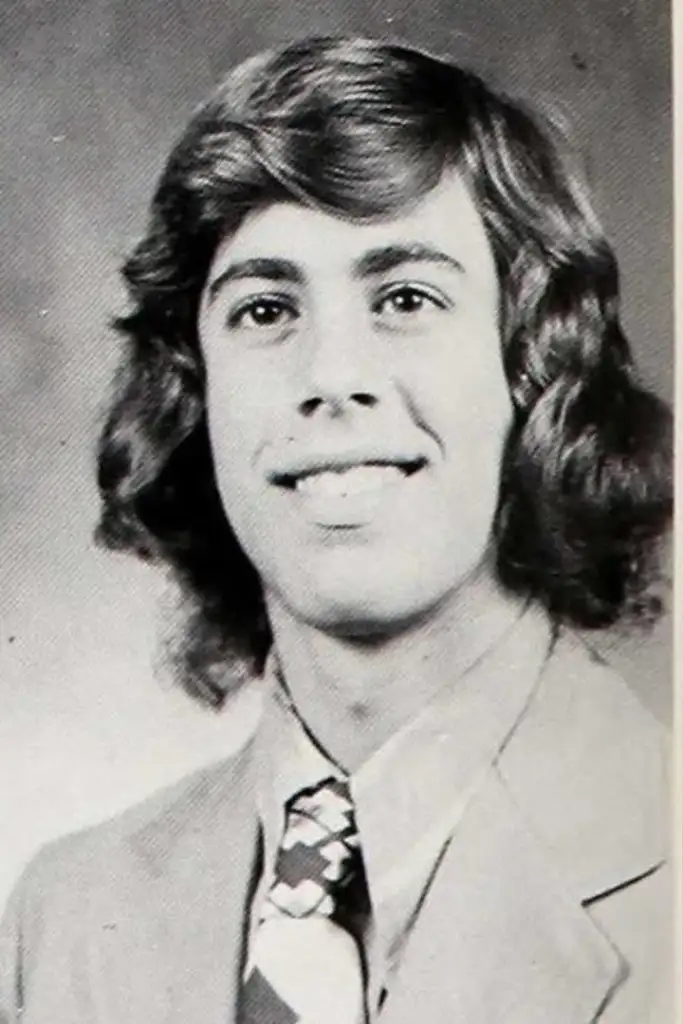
x=309 y=405
x=363 y=398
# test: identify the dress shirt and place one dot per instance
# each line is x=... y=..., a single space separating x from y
x=409 y=794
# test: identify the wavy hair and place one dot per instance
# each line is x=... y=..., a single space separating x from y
x=363 y=130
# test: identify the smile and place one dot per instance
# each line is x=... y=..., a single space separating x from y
x=343 y=493
x=347 y=478
x=354 y=480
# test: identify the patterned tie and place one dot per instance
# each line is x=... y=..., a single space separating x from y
x=305 y=965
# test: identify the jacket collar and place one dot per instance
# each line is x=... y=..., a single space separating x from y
x=587 y=768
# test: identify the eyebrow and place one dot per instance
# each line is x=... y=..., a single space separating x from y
x=389 y=257
x=380 y=260
x=267 y=268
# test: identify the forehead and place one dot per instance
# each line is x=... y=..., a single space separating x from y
x=445 y=219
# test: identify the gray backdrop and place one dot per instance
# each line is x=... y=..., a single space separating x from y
x=93 y=93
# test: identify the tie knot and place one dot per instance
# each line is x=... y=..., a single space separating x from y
x=319 y=854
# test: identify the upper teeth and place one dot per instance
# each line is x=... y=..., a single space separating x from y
x=354 y=480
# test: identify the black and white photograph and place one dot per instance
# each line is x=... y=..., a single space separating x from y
x=336 y=462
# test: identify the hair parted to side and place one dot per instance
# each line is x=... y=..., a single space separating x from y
x=364 y=130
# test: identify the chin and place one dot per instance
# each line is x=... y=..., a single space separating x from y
x=372 y=614
x=367 y=595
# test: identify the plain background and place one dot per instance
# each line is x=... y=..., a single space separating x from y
x=94 y=92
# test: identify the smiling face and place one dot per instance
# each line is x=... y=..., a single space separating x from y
x=358 y=406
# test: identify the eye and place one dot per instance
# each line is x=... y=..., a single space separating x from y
x=262 y=313
x=406 y=300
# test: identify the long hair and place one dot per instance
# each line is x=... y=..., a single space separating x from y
x=364 y=130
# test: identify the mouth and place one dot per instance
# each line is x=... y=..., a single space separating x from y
x=347 y=479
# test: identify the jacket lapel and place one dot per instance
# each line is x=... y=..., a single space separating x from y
x=571 y=810
x=498 y=938
x=197 y=865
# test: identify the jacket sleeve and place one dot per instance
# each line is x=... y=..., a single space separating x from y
x=35 y=934
x=12 y=928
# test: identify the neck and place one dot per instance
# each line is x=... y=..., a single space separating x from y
x=354 y=693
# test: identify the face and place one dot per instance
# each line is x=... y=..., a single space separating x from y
x=357 y=406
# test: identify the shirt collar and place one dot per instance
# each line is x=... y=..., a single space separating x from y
x=424 y=775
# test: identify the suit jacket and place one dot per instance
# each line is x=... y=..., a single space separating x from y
x=549 y=904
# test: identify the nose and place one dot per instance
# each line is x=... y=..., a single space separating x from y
x=341 y=367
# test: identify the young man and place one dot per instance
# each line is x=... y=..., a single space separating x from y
x=378 y=415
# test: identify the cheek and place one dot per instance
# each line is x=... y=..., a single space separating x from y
x=464 y=399
x=244 y=405
x=463 y=391
x=237 y=402
x=235 y=425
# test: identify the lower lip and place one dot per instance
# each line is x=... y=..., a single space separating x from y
x=351 y=511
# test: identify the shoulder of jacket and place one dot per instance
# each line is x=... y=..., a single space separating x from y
x=83 y=867
x=587 y=765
